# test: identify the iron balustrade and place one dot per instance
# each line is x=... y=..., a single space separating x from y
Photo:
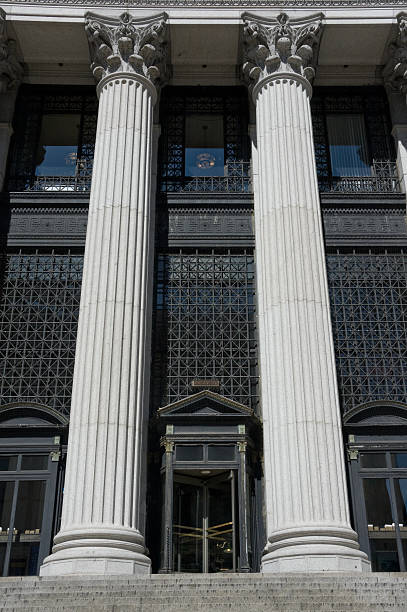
x=79 y=181
x=236 y=179
x=383 y=179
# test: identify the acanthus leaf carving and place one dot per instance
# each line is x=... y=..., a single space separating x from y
x=128 y=45
x=11 y=71
x=280 y=44
x=395 y=70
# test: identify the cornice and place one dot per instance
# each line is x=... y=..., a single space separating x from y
x=269 y=4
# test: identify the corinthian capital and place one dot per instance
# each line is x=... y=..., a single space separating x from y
x=127 y=45
x=280 y=44
x=11 y=71
x=395 y=71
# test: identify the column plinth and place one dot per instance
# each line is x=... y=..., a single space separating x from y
x=103 y=511
x=308 y=525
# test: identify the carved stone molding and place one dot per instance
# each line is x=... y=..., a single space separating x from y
x=395 y=70
x=11 y=71
x=280 y=45
x=128 y=45
x=269 y=4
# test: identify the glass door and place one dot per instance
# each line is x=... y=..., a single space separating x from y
x=27 y=489
x=204 y=523
x=381 y=486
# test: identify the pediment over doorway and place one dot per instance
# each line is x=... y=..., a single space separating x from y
x=205 y=404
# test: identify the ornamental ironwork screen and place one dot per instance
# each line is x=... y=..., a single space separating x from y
x=368 y=293
x=32 y=104
x=371 y=104
x=178 y=103
x=205 y=326
x=38 y=321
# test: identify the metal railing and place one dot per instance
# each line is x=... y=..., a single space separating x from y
x=236 y=179
x=384 y=179
x=80 y=180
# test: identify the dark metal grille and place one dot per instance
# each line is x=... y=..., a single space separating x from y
x=205 y=326
x=38 y=322
x=179 y=102
x=32 y=104
x=372 y=104
x=369 y=315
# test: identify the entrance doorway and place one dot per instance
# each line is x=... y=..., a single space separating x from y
x=205 y=522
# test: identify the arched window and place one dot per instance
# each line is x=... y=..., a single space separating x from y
x=376 y=441
x=32 y=447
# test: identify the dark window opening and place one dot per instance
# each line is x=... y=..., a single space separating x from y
x=53 y=143
x=204 y=325
x=204 y=143
x=40 y=303
x=354 y=148
x=368 y=297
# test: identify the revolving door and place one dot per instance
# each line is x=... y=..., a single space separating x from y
x=205 y=523
x=207 y=471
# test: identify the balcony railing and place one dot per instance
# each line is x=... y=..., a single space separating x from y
x=80 y=180
x=236 y=179
x=384 y=179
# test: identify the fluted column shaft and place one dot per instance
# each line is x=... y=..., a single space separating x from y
x=307 y=507
x=104 y=497
x=308 y=525
x=102 y=518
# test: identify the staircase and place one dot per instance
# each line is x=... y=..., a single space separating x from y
x=217 y=592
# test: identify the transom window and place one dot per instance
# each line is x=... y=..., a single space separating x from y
x=207 y=453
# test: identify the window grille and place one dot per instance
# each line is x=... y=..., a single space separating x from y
x=180 y=103
x=368 y=293
x=38 y=321
x=205 y=325
x=371 y=105
x=32 y=104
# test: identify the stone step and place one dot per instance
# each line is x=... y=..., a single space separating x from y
x=220 y=593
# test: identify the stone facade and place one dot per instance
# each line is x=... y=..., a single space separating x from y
x=164 y=241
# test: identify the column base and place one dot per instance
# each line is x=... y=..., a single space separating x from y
x=314 y=550
x=97 y=551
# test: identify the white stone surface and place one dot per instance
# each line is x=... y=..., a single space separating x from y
x=104 y=497
x=308 y=525
x=399 y=133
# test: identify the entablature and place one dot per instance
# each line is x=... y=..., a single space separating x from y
x=205 y=37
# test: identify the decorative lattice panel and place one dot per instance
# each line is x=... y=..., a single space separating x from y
x=179 y=102
x=205 y=326
x=369 y=315
x=370 y=102
x=33 y=103
x=38 y=320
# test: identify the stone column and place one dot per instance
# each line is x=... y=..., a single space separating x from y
x=104 y=498
x=395 y=78
x=308 y=524
x=11 y=73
